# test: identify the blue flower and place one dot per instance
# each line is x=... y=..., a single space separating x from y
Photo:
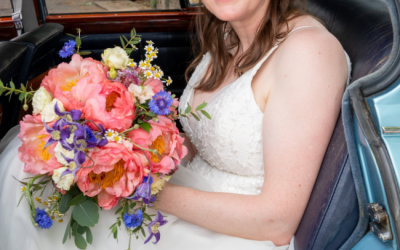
x=143 y=191
x=42 y=219
x=90 y=137
x=133 y=220
x=160 y=103
x=68 y=49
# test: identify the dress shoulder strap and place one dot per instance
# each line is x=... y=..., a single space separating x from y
x=258 y=65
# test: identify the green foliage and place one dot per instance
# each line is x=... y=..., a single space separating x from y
x=195 y=113
x=146 y=126
x=86 y=214
x=135 y=39
x=22 y=93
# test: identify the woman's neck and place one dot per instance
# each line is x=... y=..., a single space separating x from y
x=246 y=28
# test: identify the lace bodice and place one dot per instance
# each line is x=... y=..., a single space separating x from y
x=230 y=149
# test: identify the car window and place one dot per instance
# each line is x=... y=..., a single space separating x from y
x=193 y=2
x=5 y=8
x=105 y=6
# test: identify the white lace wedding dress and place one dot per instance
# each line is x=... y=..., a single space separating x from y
x=229 y=159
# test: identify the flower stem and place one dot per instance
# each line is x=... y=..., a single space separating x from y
x=154 y=151
x=30 y=201
x=151 y=166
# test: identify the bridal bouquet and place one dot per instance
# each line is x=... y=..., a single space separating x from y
x=102 y=134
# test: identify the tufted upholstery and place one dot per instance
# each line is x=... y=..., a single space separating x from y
x=12 y=59
x=365 y=31
x=174 y=52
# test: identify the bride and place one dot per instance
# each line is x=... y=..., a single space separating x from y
x=273 y=78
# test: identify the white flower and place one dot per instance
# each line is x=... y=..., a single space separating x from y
x=149 y=57
x=153 y=54
x=157 y=75
x=48 y=113
x=143 y=93
x=169 y=81
x=149 y=42
x=57 y=153
x=149 y=48
x=118 y=139
x=110 y=134
x=115 y=58
x=64 y=182
x=143 y=65
x=132 y=64
x=40 y=99
x=148 y=74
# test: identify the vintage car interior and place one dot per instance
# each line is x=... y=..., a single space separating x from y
x=338 y=215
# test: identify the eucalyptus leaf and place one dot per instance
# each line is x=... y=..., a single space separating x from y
x=77 y=200
x=81 y=230
x=86 y=214
x=89 y=235
x=132 y=35
x=206 y=114
x=195 y=116
x=23 y=87
x=65 y=199
x=80 y=242
x=201 y=106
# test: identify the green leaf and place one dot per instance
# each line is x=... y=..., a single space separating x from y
x=126 y=209
x=89 y=235
x=119 y=223
x=136 y=230
x=126 y=39
x=84 y=53
x=12 y=85
x=142 y=230
x=118 y=210
x=206 y=114
x=65 y=199
x=133 y=32
x=21 y=96
x=78 y=41
x=201 y=106
x=122 y=42
x=67 y=231
x=80 y=242
x=114 y=229
x=195 y=116
x=115 y=235
x=151 y=114
x=77 y=200
x=147 y=217
x=145 y=126
x=81 y=230
x=1 y=84
x=74 y=228
x=188 y=109
x=86 y=214
x=113 y=225
x=133 y=204
x=68 y=34
x=23 y=87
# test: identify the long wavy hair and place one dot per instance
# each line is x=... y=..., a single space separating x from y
x=210 y=32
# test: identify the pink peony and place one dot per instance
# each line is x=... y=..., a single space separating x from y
x=156 y=84
x=62 y=80
x=113 y=107
x=164 y=136
x=38 y=160
x=117 y=173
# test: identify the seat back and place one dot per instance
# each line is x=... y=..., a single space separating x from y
x=12 y=60
x=333 y=213
x=173 y=58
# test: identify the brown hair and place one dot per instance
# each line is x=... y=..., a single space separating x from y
x=210 y=33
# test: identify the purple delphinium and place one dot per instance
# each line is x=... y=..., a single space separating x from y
x=160 y=103
x=42 y=219
x=57 y=132
x=69 y=117
x=68 y=49
x=153 y=227
x=143 y=191
x=133 y=220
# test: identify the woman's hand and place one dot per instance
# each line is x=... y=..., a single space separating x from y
x=192 y=151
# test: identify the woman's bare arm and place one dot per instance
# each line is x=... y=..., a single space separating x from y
x=299 y=118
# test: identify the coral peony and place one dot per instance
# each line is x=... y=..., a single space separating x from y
x=60 y=81
x=164 y=136
x=37 y=159
x=117 y=172
x=113 y=107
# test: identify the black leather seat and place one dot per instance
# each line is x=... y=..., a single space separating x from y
x=12 y=60
x=173 y=58
x=40 y=45
x=334 y=218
